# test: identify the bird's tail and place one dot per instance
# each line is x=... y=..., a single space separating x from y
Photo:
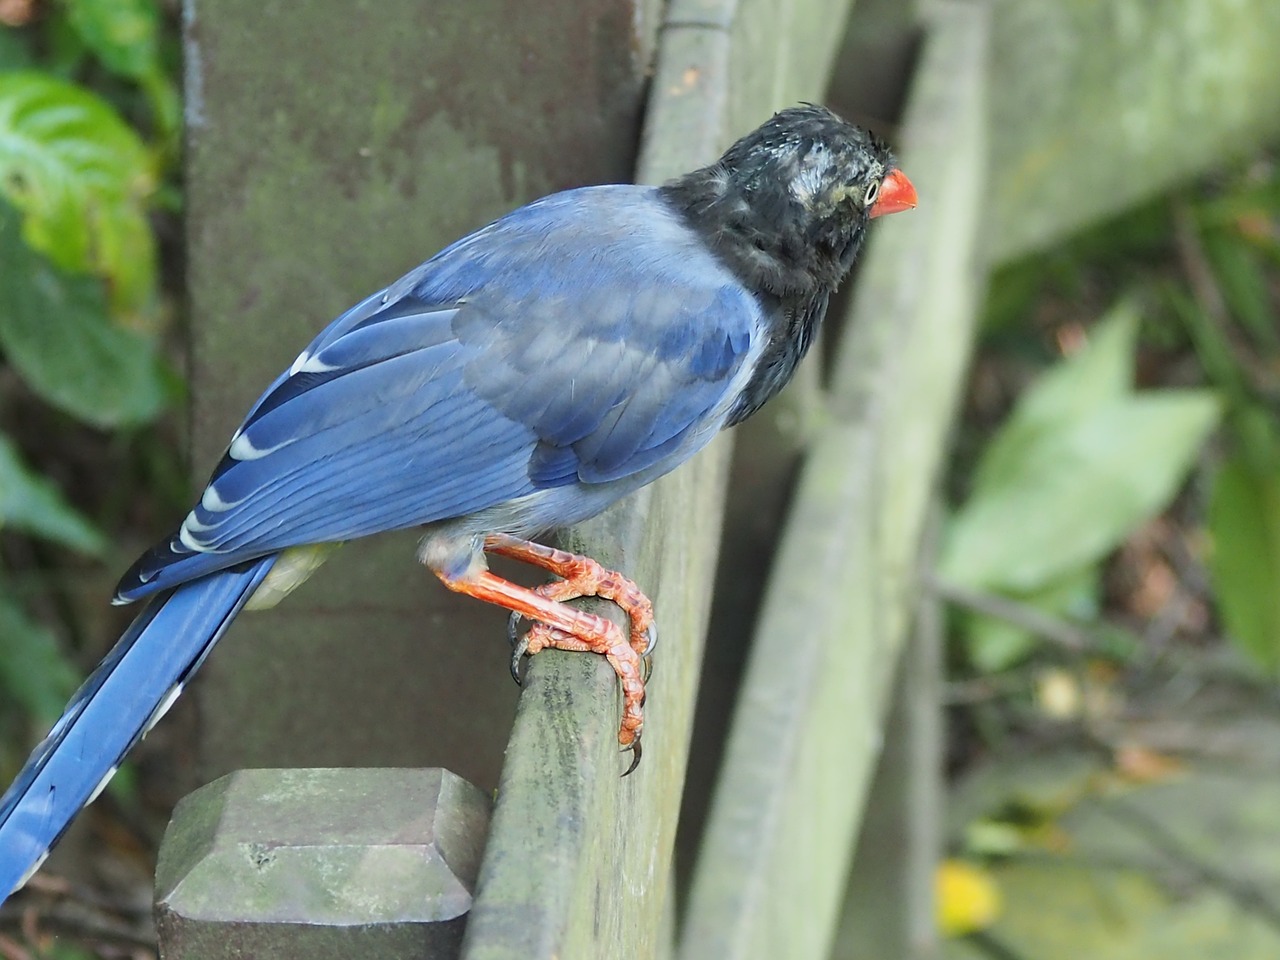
x=122 y=699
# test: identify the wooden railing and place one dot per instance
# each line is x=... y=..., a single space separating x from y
x=578 y=862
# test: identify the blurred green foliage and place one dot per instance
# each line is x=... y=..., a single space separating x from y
x=1233 y=318
x=89 y=131
x=1083 y=460
x=60 y=335
x=1079 y=464
x=81 y=178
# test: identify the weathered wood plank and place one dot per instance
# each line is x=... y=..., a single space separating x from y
x=874 y=66
x=807 y=731
x=782 y=52
x=1097 y=106
x=889 y=905
x=869 y=76
x=579 y=861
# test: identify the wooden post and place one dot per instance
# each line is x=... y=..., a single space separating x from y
x=809 y=723
x=1097 y=106
x=579 y=861
x=889 y=906
x=321 y=865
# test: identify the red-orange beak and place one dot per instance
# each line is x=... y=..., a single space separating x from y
x=896 y=194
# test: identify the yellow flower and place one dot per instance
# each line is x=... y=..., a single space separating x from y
x=967 y=898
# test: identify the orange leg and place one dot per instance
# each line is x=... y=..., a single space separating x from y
x=569 y=629
x=582 y=577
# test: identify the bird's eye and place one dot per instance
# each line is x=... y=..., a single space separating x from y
x=873 y=191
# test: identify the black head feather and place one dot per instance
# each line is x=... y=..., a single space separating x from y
x=786 y=206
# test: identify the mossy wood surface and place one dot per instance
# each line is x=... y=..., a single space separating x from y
x=809 y=724
x=321 y=865
x=889 y=908
x=1097 y=106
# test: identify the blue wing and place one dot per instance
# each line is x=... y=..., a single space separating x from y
x=580 y=340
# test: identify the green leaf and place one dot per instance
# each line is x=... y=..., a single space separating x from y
x=63 y=52
x=1079 y=464
x=29 y=502
x=1244 y=523
x=1258 y=435
x=121 y=33
x=1211 y=347
x=81 y=178
x=14 y=54
x=1250 y=197
x=166 y=111
x=33 y=671
x=1096 y=375
x=55 y=331
x=1245 y=286
x=1076 y=489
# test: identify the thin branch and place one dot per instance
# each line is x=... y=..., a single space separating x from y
x=1195 y=264
x=79 y=912
x=984 y=688
x=73 y=919
x=1064 y=634
x=11 y=950
x=1208 y=295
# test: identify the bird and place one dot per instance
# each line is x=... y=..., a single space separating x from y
x=522 y=380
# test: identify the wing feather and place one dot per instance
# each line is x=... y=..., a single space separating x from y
x=586 y=338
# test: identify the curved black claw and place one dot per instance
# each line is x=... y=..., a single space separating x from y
x=635 y=756
x=513 y=627
x=519 y=647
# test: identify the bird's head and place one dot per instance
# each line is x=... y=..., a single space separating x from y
x=788 y=204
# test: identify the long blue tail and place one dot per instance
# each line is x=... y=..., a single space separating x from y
x=122 y=699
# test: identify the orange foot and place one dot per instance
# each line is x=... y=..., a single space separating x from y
x=562 y=627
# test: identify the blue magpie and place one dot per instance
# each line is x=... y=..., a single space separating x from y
x=521 y=380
